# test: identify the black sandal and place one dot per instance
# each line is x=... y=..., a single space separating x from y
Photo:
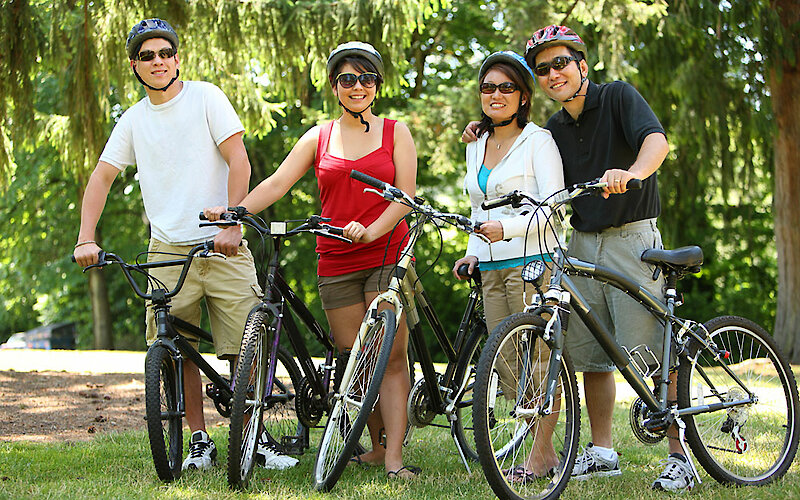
x=395 y=474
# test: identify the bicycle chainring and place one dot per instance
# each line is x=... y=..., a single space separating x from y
x=638 y=415
x=420 y=414
x=309 y=409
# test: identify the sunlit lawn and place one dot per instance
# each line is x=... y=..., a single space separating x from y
x=119 y=466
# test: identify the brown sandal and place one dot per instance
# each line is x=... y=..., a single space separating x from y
x=413 y=469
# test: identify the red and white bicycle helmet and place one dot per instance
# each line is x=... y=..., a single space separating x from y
x=552 y=35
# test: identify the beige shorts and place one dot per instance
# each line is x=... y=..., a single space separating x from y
x=348 y=289
x=503 y=296
x=229 y=286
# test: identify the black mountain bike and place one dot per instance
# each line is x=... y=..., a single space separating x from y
x=163 y=372
x=737 y=401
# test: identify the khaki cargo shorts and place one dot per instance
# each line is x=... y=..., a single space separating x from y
x=229 y=286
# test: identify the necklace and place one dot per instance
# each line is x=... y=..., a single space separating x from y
x=500 y=144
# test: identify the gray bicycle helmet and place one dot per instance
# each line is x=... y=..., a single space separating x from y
x=146 y=29
x=515 y=60
x=361 y=49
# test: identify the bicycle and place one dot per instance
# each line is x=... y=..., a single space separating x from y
x=280 y=401
x=164 y=395
x=448 y=393
x=737 y=400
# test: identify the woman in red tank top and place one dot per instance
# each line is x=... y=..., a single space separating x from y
x=352 y=275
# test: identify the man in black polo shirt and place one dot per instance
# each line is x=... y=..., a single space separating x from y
x=607 y=131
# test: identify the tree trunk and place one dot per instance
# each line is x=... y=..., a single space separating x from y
x=101 y=313
x=785 y=90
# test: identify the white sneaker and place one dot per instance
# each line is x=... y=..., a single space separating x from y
x=269 y=458
x=202 y=452
x=677 y=475
x=590 y=463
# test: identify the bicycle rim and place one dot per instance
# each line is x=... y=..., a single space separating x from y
x=753 y=443
x=355 y=400
x=510 y=432
x=164 y=422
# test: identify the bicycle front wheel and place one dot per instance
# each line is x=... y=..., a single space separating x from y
x=164 y=421
x=355 y=398
x=524 y=453
x=752 y=443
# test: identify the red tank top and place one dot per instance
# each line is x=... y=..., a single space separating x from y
x=344 y=200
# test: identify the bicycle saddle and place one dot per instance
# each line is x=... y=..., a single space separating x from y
x=683 y=260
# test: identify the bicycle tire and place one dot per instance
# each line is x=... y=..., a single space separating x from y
x=164 y=422
x=503 y=437
x=355 y=399
x=744 y=445
x=248 y=396
x=464 y=425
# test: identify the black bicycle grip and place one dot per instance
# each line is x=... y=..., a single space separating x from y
x=497 y=202
x=463 y=271
x=368 y=179
x=336 y=230
x=202 y=216
x=633 y=184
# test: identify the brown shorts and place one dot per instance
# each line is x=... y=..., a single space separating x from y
x=348 y=289
x=229 y=286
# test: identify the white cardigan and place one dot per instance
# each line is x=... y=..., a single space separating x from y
x=532 y=164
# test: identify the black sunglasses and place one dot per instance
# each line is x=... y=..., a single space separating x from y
x=149 y=55
x=558 y=63
x=505 y=88
x=367 y=80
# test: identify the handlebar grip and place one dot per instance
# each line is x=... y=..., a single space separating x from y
x=336 y=230
x=202 y=216
x=496 y=203
x=463 y=271
x=633 y=184
x=367 y=179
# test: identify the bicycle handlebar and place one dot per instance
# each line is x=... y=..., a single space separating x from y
x=517 y=198
x=315 y=224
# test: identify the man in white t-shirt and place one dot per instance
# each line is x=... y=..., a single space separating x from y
x=186 y=142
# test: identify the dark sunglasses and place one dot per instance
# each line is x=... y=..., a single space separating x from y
x=367 y=80
x=149 y=55
x=558 y=63
x=505 y=88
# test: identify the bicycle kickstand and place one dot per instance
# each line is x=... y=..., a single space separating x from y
x=452 y=418
x=682 y=440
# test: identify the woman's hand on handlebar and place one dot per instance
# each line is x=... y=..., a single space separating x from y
x=469 y=260
x=617 y=180
x=492 y=229
x=86 y=255
x=356 y=232
x=214 y=213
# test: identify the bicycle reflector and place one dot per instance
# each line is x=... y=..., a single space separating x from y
x=533 y=271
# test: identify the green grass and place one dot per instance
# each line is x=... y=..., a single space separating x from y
x=119 y=466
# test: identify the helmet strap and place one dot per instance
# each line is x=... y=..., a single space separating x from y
x=358 y=114
x=577 y=92
x=503 y=123
x=162 y=89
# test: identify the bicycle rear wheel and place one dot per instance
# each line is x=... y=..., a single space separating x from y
x=510 y=432
x=164 y=422
x=749 y=444
x=464 y=425
x=355 y=398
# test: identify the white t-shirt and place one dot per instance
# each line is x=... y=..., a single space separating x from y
x=174 y=147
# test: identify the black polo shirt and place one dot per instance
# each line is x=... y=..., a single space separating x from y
x=607 y=134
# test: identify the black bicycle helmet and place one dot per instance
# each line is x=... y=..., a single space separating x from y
x=361 y=49
x=144 y=30
x=515 y=60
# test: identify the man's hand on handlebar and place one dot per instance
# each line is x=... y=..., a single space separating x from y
x=617 y=180
x=214 y=213
x=86 y=255
x=228 y=240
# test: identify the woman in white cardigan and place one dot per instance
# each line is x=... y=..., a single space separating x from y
x=510 y=154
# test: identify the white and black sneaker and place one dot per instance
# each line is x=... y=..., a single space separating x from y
x=202 y=452
x=677 y=475
x=591 y=463
x=269 y=458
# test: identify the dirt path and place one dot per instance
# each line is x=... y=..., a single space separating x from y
x=102 y=391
